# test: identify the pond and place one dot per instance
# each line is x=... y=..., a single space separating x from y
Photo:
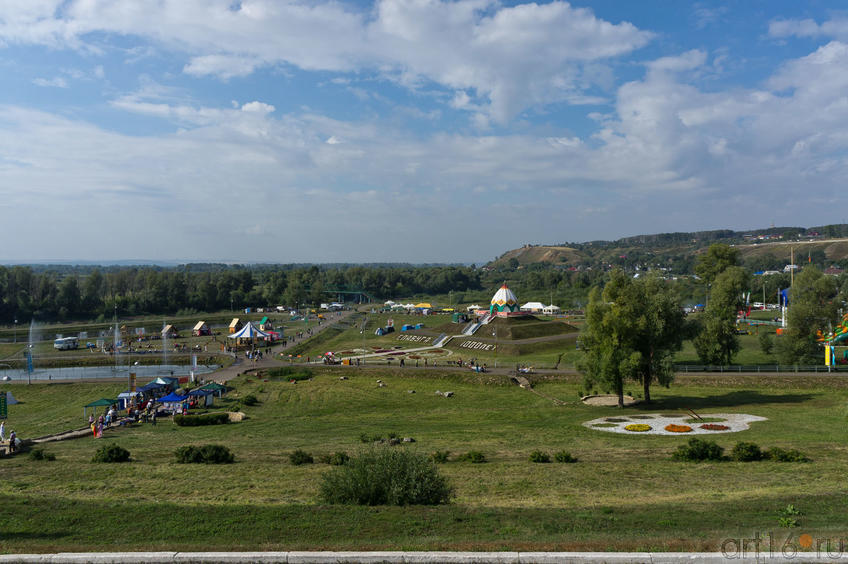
x=94 y=372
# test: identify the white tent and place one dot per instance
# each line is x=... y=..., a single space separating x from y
x=10 y=399
x=249 y=331
x=551 y=309
x=533 y=306
x=474 y=307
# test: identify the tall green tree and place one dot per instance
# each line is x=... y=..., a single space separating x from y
x=718 y=258
x=813 y=307
x=632 y=329
x=717 y=341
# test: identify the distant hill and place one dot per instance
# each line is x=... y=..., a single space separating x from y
x=759 y=248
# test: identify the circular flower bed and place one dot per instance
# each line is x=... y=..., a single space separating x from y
x=678 y=428
x=714 y=427
x=638 y=427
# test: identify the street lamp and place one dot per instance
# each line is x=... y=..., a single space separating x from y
x=16 y=329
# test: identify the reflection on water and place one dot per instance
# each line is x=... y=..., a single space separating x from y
x=85 y=372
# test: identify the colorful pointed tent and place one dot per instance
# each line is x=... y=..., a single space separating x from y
x=504 y=301
x=249 y=331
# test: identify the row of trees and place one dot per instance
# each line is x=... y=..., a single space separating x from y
x=89 y=293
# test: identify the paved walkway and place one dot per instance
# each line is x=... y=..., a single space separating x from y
x=272 y=360
x=428 y=557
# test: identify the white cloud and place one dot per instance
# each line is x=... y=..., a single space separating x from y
x=836 y=28
x=506 y=58
x=57 y=82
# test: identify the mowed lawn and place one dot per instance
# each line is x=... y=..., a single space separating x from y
x=624 y=493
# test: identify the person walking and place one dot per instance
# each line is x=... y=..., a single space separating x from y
x=2 y=431
x=13 y=438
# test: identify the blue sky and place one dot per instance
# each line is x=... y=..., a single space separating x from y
x=410 y=130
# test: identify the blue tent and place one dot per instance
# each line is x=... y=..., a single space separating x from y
x=172 y=398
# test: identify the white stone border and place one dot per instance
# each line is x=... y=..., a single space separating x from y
x=424 y=557
x=735 y=421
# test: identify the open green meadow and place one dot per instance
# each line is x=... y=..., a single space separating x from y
x=623 y=493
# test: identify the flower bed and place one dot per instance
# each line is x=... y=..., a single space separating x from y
x=638 y=427
x=672 y=428
x=714 y=427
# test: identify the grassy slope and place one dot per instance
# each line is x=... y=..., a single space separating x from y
x=623 y=494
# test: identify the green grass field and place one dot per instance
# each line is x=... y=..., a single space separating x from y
x=624 y=493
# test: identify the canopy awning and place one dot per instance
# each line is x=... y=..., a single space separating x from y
x=102 y=402
x=171 y=398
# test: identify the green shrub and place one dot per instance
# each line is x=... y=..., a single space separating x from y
x=782 y=455
x=201 y=420
x=473 y=456
x=766 y=342
x=539 y=456
x=249 y=400
x=111 y=453
x=339 y=458
x=563 y=456
x=746 y=452
x=234 y=408
x=384 y=476
x=697 y=450
x=364 y=438
x=289 y=373
x=299 y=457
x=40 y=454
x=440 y=456
x=206 y=454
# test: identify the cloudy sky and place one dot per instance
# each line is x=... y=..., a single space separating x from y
x=411 y=130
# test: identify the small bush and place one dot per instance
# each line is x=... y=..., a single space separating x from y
x=111 y=453
x=201 y=420
x=440 y=456
x=249 y=400
x=766 y=342
x=563 y=456
x=540 y=457
x=299 y=457
x=206 y=454
x=746 y=452
x=697 y=450
x=787 y=517
x=778 y=454
x=40 y=454
x=235 y=408
x=384 y=476
x=289 y=373
x=339 y=458
x=364 y=438
x=473 y=456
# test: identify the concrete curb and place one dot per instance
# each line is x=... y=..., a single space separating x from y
x=297 y=557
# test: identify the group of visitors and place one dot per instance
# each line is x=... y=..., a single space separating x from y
x=14 y=441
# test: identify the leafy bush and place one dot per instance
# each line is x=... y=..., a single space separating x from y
x=473 y=456
x=364 y=438
x=235 y=408
x=289 y=373
x=697 y=450
x=207 y=454
x=563 y=456
x=782 y=455
x=111 y=453
x=440 y=456
x=40 y=454
x=201 y=420
x=249 y=400
x=746 y=452
x=766 y=342
x=786 y=517
x=299 y=457
x=385 y=476
x=539 y=456
x=339 y=458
